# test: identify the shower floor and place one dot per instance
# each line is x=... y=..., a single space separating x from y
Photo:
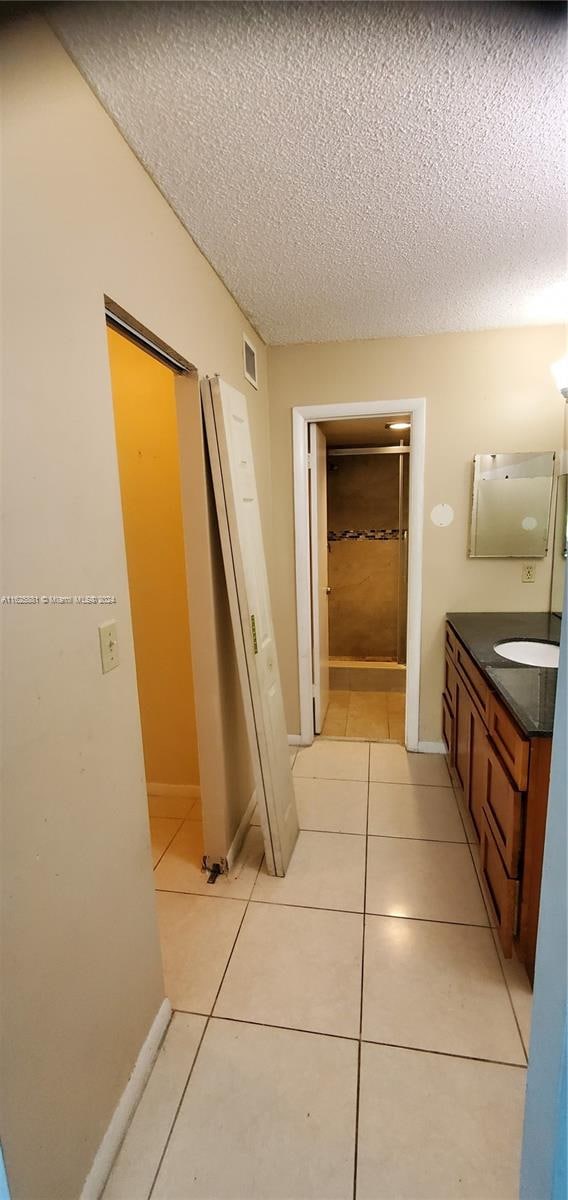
x=378 y=716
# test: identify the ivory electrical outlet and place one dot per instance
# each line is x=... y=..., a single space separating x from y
x=108 y=640
x=528 y=574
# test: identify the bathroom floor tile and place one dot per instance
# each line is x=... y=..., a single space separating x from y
x=434 y=881
x=335 y=723
x=333 y=760
x=433 y=1127
x=520 y=991
x=139 y=1156
x=437 y=987
x=196 y=939
x=396 y=712
x=295 y=967
x=408 y=810
x=367 y=716
x=162 y=831
x=327 y=870
x=269 y=1114
x=332 y=805
x=394 y=764
x=180 y=869
x=179 y=807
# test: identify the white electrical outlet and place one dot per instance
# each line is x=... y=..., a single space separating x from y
x=108 y=640
x=528 y=574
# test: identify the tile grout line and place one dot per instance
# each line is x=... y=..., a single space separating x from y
x=492 y=929
x=173 y=837
x=359 y=1047
x=345 y=1037
x=206 y=1027
x=354 y=912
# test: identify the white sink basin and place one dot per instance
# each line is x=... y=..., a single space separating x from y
x=532 y=654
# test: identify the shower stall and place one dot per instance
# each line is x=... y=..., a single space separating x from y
x=367 y=497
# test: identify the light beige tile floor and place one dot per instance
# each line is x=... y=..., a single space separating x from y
x=327 y=871
x=437 y=1127
x=393 y=764
x=409 y=811
x=333 y=760
x=333 y=805
x=365 y=714
x=268 y=1106
x=434 y=881
x=438 y=987
x=269 y=1114
x=162 y=832
x=139 y=1157
x=296 y=968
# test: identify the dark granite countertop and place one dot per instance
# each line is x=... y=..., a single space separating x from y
x=528 y=692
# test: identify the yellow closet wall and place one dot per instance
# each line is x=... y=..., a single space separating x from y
x=143 y=394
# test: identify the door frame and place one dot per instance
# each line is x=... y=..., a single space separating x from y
x=302 y=417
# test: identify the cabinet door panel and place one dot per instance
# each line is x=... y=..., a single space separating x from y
x=504 y=805
x=478 y=763
x=462 y=729
x=501 y=889
x=451 y=683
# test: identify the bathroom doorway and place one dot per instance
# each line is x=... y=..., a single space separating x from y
x=358 y=490
x=366 y=546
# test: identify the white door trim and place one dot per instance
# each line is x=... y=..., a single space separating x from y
x=301 y=418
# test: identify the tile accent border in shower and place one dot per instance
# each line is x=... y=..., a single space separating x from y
x=361 y=535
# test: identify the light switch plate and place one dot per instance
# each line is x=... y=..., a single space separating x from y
x=108 y=641
x=528 y=574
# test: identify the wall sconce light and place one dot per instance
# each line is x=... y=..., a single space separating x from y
x=559 y=372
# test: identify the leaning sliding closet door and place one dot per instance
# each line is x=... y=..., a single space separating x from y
x=232 y=468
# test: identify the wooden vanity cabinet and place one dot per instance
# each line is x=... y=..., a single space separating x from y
x=504 y=779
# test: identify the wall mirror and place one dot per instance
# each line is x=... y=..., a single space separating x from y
x=559 y=546
x=512 y=495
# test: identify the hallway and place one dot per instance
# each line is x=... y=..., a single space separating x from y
x=348 y=1031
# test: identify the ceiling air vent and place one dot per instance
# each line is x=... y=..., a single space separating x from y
x=249 y=361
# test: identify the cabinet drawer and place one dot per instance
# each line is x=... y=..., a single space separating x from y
x=451 y=642
x=512 y=746
x=478 y=688
x=503 y=806
x=501 y=888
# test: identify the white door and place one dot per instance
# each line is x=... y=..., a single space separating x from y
x=232 y=468
x=320 y=590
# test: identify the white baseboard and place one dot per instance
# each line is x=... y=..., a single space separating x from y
x=294 y=739
x=124 y=1111
x=432 y=748
x=183 y=791
x=242 y=831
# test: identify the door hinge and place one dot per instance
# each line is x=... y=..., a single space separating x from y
x=253 y=629
x=309 y=462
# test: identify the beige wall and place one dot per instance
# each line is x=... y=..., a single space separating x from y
x=485 y=391
x=81 y=966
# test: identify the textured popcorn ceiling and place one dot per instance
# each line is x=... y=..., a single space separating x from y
x=350 y=170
